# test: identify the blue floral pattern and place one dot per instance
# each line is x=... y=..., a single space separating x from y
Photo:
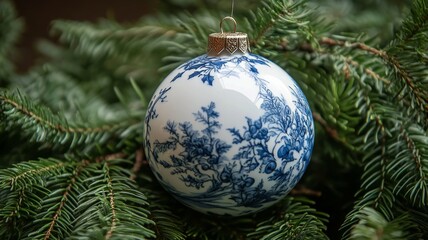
x=204 y=66
x=272 y=153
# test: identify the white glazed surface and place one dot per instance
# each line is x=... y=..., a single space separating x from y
x=229 y=135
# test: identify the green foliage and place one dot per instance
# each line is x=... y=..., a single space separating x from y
x=57 y=199
x=300 y=220
x=29 y=173
x=121 y=207
x=409 y=70
x=41 y=125
x=82 y=112
x=169 y=225
x=10 y=28
x=18 y=208
x=373 y=225
x=287 y=18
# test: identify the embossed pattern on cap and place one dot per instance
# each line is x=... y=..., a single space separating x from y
x=223 y=44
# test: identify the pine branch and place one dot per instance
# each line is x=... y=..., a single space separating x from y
x=112 y=202
x=386 y=165
x=379 y=189
x=38 y=118
x=109 y=38
x=390 y=60
x=285 y=17
x=26 y=174
x=43 y=126
x=121 y=209
x=168 y=225
x=410 y=169
x=27 y=187
x=60 y=90
x=420 y=218
x=297 y=220
x=163 y=209
x=57 y=211
x=353 y=45
x=374 y=226
x=415 y=24
x=376 y=190
x=140 y=160
x=353 y=59
x=303 y=191
x=64 y=199
x=18 y=208
x=383 y=162
x=199 y=226
x=331 y=131
x=18 y=103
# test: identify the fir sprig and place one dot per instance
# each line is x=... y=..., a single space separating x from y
x=122 y=208
x=286 y=18
x=410 y=68
x=43 y=126
x=410 y=170
x=96 y=41
x=296 y=221
x=374 y=225
x=58 y=206
x=18 y=208
x=32 y=172
x=65 y=207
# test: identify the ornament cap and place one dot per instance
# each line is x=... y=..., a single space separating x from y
x=228 y=43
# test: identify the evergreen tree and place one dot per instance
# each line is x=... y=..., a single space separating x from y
x=71 y=156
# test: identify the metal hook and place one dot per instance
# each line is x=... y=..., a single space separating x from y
x=233 y=6
x=231 y=19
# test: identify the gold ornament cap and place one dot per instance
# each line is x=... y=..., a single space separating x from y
x=228 y=43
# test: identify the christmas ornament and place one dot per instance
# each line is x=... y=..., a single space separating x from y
x=228 y=132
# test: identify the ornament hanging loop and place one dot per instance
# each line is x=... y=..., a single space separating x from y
x=230 y=19
x=228 y=43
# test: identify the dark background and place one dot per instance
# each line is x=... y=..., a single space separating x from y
x=37 y=16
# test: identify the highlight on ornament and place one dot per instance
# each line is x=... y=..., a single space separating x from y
x=239 y=141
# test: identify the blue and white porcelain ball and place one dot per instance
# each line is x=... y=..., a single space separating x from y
x=230 y=134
